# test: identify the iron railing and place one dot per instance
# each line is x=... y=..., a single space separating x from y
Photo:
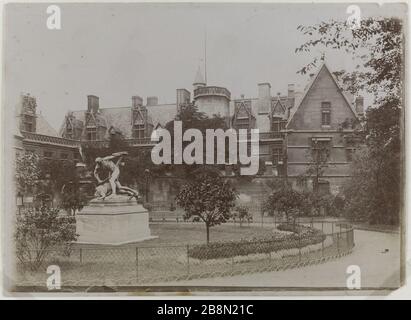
x=134 y=265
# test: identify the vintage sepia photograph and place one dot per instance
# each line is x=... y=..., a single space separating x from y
x=203 y=148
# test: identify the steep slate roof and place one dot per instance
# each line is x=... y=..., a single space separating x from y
x=43 y=127
x=308 y=88
x=162 y=113
x=121 y=117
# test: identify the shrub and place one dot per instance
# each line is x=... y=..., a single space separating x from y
x=148 y=206
x=38 y=231
x=242 y=214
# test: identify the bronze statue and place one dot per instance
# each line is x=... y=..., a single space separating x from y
x=111 y=186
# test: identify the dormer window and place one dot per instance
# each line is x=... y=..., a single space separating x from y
x=139 y=125
x=243 y=118
x=28 y=123
x=69 y=130
x=91 y=133
x=242 y=123
x=277 y=124
x=138 y=131
x=326 y=113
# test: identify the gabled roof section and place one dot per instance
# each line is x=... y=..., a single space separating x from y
x=43 y=127
x=242 y=107
x=309 y=86
x=278 y=108
x=122 y=119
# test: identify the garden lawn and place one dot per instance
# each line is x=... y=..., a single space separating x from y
x=170 y=234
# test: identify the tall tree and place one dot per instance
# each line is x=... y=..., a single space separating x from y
x=192 y=118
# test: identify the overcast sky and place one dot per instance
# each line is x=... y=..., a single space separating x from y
x=118 y=50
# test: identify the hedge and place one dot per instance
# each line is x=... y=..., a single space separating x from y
x=302 y=236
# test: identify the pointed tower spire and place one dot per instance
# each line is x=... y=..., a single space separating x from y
x=199 y=79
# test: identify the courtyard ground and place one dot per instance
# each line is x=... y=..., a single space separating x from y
x=376 y=253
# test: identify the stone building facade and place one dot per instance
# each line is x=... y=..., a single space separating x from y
x=323 y=121
x=33 y=133
x=290 y=126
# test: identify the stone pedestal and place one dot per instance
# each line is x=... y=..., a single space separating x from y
x=113 y=221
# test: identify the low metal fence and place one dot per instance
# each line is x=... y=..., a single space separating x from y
x=131 y=265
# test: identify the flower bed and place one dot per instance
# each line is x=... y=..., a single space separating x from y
x=302 y=236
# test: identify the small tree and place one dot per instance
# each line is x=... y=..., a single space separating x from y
x=285 y=200
x=317 y=158
x=208 y=197
x=242 y=213
x=315 y=202
x=39 y=230
x=27 y=171
x=73 y=198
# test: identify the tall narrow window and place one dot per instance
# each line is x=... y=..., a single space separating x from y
x=242 y=123
x=350 y=148
x=138 y=131
x=92 y=133
x=48 y=154
x=277 y=156
x=276 y=124
x=325 y=113
x=69 y=132
x=28 y=123
x=320 y=150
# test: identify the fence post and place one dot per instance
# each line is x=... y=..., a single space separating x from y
x=81 y=255
x=188 y=260
x=322 y=242
x=137 y=263
x=338 y=243
x=348 y=240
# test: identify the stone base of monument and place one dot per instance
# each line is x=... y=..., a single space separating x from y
x=113 y=221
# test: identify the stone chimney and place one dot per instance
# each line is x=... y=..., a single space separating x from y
x=152 y=101
x=291 y=91
x=137 y=101
x=359 y=105
x=290 y=98
x=92 y=104
x=264 y=98
x=183 y=97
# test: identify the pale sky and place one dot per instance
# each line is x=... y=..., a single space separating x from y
x=115 y=51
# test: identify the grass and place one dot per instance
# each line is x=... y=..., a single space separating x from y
x=177 y=234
